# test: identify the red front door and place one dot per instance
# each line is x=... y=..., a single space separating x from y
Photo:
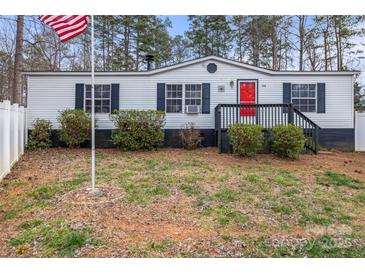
x=248 y=97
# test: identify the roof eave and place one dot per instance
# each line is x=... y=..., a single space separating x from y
x=191 y=62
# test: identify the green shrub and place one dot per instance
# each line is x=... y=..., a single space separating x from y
x=190 y=136
x=287 y=140
x=247 y=140
x=137 y=129
x=75 y=127
x=40 y=136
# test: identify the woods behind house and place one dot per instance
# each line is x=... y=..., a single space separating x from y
x=274 y=42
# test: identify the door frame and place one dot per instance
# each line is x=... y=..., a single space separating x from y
x=256 y=81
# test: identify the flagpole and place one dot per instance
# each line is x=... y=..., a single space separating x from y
x=92 y=109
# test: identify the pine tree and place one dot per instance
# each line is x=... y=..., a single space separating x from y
x=239 y=36
x=256 y=35
x=209 y=35
x=179 y=50
x=326 y=33
x=345 y=28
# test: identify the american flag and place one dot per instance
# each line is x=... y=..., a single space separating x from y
x=66 y=26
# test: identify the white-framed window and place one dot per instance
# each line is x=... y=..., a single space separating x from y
x=193 y=95
x=102 y=98
x=174 y=98
x=304 y=97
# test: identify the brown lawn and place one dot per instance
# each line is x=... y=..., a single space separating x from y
x=176 y=203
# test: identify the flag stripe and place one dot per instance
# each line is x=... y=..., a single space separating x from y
x=54 y=19
x=71 y=35
x=66 y=26
x=67 y=21
x=63 y=28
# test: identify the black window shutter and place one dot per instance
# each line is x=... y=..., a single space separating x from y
x=206 y=98
x=286 y=95
x=161 y=96
x=79 y=96
x=114 y=98
x=321 y=97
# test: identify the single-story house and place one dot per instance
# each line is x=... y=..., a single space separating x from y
x=191 y=91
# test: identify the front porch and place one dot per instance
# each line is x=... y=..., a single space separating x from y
x=266 y=115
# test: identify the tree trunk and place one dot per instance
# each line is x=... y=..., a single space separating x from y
x=206 y=49
x=338 y=45
x=18 y=62
x=126 y=47
x=325 y=44
x=103 y=44
x=301 y=41
x=274 y=51
x=240 y=47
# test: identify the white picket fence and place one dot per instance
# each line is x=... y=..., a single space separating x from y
x=12 y=135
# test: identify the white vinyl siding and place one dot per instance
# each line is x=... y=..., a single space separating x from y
x=50 y=94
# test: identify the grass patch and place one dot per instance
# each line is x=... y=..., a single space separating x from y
x=290 y=192
x=49 y=191
x=113 y=166
x=227 y=238
x=125 y=175
x=10 y=214
x=338 y=179
x=13 y=183
x=321 y=247
x=29 y=224
x=315 y=219
x=151 y=164
x=144 y=193
x=101 y=155
x=225 y=215
x=281 y=208
x=194 y=163
x=192 y=178
x=361 y=198
x=252 y=178
x=226 y=195
x=222 y=178
x=45 y=192
x=328 y=247
x=41 y=195
x=55 y=238
x=190 y=189
x=285 y=178
x=161 y=246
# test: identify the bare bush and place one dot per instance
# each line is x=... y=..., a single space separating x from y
x=190 y=137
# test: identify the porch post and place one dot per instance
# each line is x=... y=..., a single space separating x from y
x=316 y=139
x=219 y=129
x=291 y=114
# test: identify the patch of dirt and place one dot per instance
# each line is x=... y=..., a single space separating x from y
x=89 y=197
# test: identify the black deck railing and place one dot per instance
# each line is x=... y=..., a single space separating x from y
x=268 y=116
